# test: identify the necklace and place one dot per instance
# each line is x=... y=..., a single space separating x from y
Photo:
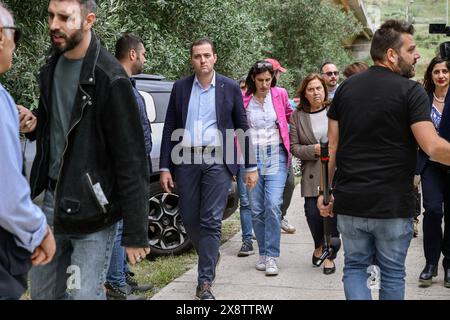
x=260 y=99
x=437 y=99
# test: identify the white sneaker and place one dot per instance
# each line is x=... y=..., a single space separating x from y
x=287 y=227
x=261 y=263
x=271 y=266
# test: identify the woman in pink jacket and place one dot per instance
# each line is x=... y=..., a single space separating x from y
x=268 y=113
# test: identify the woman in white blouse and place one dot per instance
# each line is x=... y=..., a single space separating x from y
x=268 y=112
x=435 y=178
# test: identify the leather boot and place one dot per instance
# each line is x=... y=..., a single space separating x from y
x=427 y=274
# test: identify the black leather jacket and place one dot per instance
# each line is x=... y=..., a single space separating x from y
x=104 y=144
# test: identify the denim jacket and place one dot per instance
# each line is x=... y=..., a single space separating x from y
x=104 y=150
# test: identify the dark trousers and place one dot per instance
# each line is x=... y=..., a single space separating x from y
x=436 y=202
x=203 y=190
x=15 y=262
x=288 y=191
x=315 y=222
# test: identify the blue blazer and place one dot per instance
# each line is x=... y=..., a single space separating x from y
x=444 y=131
x=229 y=110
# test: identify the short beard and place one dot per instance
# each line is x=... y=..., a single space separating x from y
x=71 y=42
x=405 y=70
x=138 y=68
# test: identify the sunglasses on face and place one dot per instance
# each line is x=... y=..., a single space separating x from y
x=264 y=64
x=331 y=73
x=17 y=33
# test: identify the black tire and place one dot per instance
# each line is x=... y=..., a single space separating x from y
x=166 y=232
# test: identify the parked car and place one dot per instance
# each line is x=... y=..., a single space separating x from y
x=166 y=231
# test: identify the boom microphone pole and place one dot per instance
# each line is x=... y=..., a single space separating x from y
x=330 y=247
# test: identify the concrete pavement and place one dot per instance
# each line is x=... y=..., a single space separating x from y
x=237 y=278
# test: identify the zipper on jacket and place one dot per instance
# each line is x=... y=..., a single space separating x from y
x=67 y=139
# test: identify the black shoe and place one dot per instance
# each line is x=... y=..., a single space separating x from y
x=315 y=260
x=203 y=292
x=427 y=274
x=329 y=271
x=246 y=249
x=120 y=293
x=135 y=287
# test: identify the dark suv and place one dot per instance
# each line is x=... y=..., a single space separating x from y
x=166 y=232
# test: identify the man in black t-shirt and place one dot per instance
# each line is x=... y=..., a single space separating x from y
x=374 y=122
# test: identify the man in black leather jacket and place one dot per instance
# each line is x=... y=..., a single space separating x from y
x=90 y=159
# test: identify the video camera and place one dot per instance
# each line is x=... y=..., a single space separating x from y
x=441 y=28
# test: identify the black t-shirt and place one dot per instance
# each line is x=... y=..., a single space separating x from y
x=376 y=155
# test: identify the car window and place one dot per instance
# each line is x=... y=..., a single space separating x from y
x=161 y=101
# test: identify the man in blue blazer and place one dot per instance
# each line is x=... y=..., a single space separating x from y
x=204 y=111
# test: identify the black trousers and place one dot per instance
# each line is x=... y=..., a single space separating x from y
x=315 y=222
x=436 y=202
x=15 y=262
x=288 y=191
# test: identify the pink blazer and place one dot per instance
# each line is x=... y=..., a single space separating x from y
x=283 y=109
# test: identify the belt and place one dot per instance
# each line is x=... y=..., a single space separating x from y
x=52 y=184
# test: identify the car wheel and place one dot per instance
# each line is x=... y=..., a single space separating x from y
x=166 y=231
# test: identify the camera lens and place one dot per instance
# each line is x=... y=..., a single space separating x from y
x=444 y=49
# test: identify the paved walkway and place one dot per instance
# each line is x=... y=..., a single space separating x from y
x=237 y=279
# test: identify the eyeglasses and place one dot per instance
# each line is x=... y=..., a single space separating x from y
x=331 y=73
x=17 y=33
x=264 y=64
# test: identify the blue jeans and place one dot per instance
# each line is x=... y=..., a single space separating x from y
x=81 y=259
x=266 y=199
x=118 y=266
x=380 y=242
x=245 y=211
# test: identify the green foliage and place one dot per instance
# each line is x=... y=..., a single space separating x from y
x=306 y=33
x=243 y=32
x=30 y=53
